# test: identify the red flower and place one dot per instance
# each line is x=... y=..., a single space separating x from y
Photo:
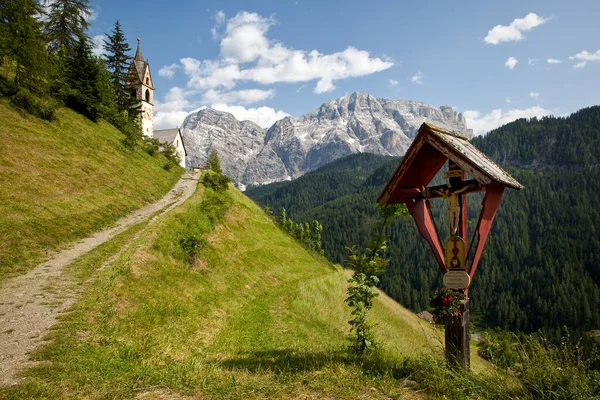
x=449 y=298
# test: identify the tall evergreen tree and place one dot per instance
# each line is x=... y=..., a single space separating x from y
x=83 y=73
x=117 y=61
x=66 y=23
x=22 y=41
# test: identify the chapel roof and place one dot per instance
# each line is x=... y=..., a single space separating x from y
x=166 y=135
x=169 y=136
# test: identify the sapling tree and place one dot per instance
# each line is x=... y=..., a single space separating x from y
x=367 y=264
x=309 y=233
x=214 y=177
x=213 y=162
x=283 y=217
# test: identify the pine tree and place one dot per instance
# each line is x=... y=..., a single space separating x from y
x=283 y=217
x=117 y=61
x=83 y=73
x=22 y=41
x=213 y=162
x=66 y=24
x=317 y=231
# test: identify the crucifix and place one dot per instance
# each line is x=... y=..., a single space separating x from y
x=428 y=153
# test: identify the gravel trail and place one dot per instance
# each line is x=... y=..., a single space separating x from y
x=30 y=304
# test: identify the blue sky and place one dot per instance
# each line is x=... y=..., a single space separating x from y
x=492 y=60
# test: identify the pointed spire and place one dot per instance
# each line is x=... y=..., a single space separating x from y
x=138 y=53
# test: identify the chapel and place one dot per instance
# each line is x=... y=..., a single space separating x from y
x=139 y=84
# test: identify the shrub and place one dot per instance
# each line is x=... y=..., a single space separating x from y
x=42 y=107
x=150 y=145
x=215 y=181
x=185 y=239
x=170 y=152
x=131 y=129
x=82 y=104
x=7 y=88
x=545 y=370
x=192 y=246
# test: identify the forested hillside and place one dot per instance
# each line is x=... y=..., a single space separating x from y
x=541 y=266
x=547 y=143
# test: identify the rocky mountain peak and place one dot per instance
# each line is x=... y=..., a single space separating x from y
x=353 y=123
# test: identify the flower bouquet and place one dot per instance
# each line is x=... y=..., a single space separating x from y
x=447 y=306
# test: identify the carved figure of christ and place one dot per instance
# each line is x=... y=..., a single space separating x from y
x=453 y=206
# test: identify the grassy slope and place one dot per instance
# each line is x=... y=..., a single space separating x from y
x=60 y=181
x=254 y=316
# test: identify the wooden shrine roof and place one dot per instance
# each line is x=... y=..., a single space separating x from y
x=426 y=156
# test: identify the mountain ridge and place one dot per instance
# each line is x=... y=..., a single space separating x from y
x=292 y=146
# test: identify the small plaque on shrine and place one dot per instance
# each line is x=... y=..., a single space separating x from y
x=455 y=253
x=457 y=280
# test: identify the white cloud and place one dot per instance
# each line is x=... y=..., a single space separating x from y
x=531 y=61
x=263 y=116
x=535 y=95
x=209 y=74
x=553 y=61
x=98 y=45
x=279 y=64
x=168 y=71
x=247 y=54
x=220 y=17
x=484 y=123
x=247 y=96
x=508 y=100
x=169 y=120
x=417 y=78
x=176 y=100
x=584 y=57
x=219 y=20
x=171 y=113
x=94 y=12
x=245 y=38
x=393 y=82
x=511 y=62
x=514 y=31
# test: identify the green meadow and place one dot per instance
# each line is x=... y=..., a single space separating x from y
x=249 y=313
x=63 y=180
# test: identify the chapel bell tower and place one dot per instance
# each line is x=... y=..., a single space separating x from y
x=139 y=84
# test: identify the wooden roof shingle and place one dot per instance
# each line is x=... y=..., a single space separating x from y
x=428 y=153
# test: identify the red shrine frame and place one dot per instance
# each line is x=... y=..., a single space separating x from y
x=428 y=153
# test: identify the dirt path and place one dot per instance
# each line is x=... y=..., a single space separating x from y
x=28 y=309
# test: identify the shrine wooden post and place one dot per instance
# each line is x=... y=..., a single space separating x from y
x=428 y=153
